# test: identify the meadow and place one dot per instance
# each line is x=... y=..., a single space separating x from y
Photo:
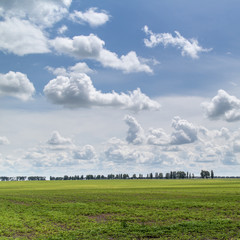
x=120 y=209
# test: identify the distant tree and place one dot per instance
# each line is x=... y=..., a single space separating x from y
x=21 y=178
x=212 y=174
x=205 y=174
x=160 y=176
x=167 y=175
x=134 y=176
x=76 y=177
x=36 y=178
x=3 y=178
x=140 y=176
x=174 y=175
x=125 y=176
x=89 y=177
x=181 y=175
x=110 y=176
x=151 y=176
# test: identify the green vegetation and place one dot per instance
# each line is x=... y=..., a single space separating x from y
x=120 y=209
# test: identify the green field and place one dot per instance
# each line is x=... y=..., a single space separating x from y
x=120 y=209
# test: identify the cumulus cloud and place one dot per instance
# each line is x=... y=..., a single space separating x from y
x=62 y=29
x=42 y=158
x=189 y=47
x=21 y=37
x=92 y=47
x=79 y=47
x=86 y=153
x=119 y=152
x=127 y=63
x=80 y=67
x=223 y=132
x=78 y=91
x=59 y=151
x=44 y=13
x=23 y=24
x=92 y=16
x=135 y=134
x=4 y=141
x=16 y=84
x=158 y=137
x=184 y=132
x=57 y=139
x=223 y=106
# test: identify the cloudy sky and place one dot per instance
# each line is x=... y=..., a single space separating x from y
x=98 y=87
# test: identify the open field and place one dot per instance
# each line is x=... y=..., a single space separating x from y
x=121 y=209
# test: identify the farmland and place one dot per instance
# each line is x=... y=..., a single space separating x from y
x=120 y=209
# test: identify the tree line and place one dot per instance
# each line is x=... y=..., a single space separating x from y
x=23 y=178
x=169 y=175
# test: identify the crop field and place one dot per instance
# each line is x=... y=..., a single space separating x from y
x=120 y=209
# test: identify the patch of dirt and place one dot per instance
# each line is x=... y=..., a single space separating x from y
x=102 y=217
x=19 y=202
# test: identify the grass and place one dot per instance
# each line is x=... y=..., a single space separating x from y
x=120 y=209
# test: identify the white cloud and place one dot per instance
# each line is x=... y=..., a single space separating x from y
x=80 y=67
x=189 y=47
x=21 y=37
x=62 y=29
x=16 y=84
x=86 y=153
x=78 y=91
x=56 y=139
x=92 y=16
x=44 y=13
x=60 y=152
x=92 y=47
x=223 y=132
x=158 y=137
x=223 y=106
x=79 y=47
x=135 y=134
x=120 y=152
x=4 y=141
x=23 y=24
x=127 y=63
x=42 y=158
x=185 y=132
x=58 y=71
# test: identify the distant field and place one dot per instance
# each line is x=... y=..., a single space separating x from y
x=120 y=209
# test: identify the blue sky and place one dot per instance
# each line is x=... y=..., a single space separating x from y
x=108 y=87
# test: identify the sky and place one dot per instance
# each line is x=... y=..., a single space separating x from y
x=100 y=87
